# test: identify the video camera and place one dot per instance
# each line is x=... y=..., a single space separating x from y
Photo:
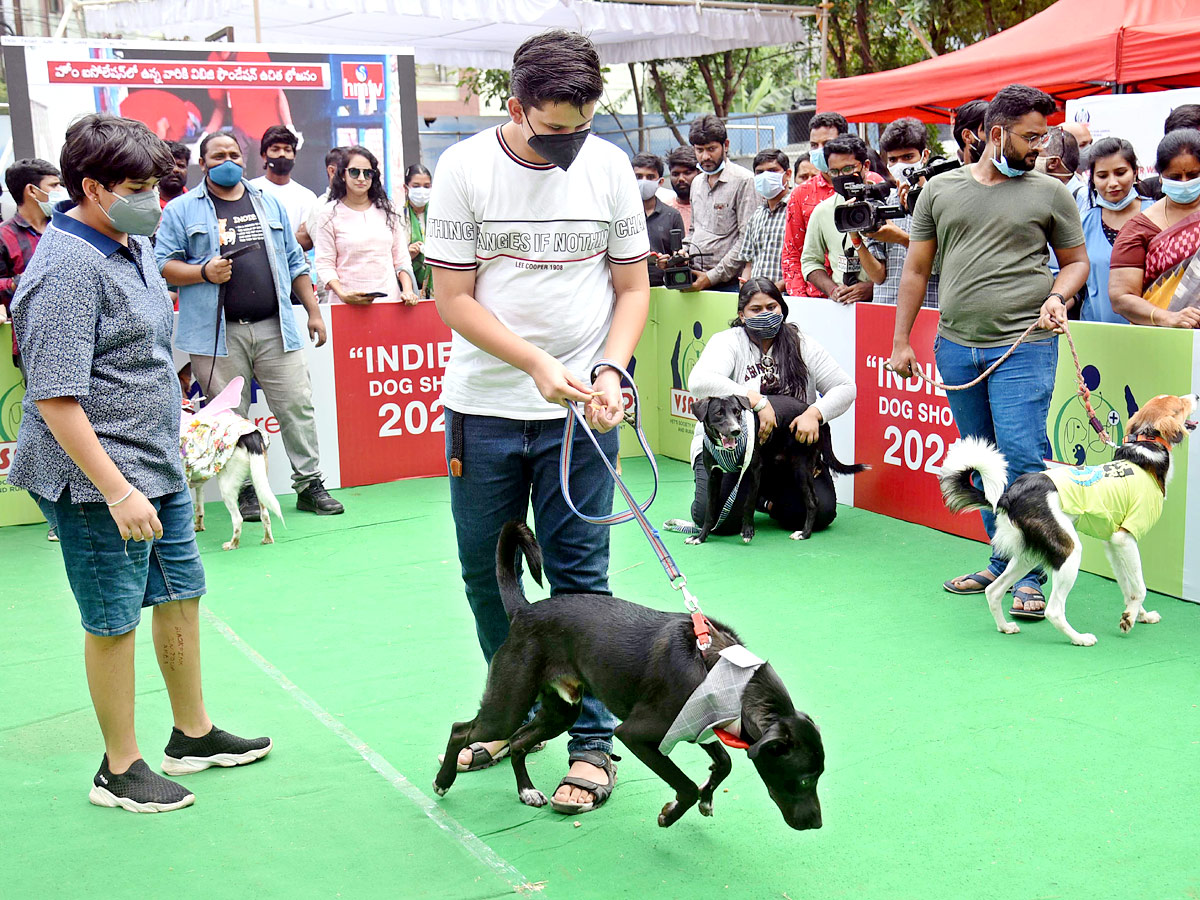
x=935 y=166
x=679 y=274
x=865 y=209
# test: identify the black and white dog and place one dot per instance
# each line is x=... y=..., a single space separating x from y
x=1040 y=515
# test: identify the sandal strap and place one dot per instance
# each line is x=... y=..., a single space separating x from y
x=597 y=758
x=586 y=784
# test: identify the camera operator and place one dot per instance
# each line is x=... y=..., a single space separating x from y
x=661 y=219
x=990 y=223
x=905 y=146
x=854 y=260
x=968 y=131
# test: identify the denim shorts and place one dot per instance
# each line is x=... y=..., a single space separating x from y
x=112 y=579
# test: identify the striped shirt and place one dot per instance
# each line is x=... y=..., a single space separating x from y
x=762 y=246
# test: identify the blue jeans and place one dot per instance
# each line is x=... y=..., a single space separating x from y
x=1009 y=408
x=506 y=463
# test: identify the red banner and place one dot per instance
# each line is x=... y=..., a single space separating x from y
x=902 y=427
x=189 y=74
x=388 y=362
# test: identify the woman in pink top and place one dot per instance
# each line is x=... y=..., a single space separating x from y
x=360 y=241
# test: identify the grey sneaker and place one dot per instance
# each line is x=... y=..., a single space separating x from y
x=138 y=790
x=185 y=755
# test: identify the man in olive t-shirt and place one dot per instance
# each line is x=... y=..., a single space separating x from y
x=990 y=224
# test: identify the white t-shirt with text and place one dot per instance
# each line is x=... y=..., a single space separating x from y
x=540 y=240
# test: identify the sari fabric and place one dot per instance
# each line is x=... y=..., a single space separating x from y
x=1172 y=274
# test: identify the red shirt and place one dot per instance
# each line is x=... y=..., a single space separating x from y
x=801 y=203
x=18 y=240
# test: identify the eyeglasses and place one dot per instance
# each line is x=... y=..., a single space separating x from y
x=1035 y=141
x=366 y=174
x=855 y=169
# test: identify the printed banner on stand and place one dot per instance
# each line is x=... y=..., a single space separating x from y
x=16 y=506
x=389 y=362
x=902 y=427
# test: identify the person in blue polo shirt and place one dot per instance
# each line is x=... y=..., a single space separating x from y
x=98 y=448
x=235 y=314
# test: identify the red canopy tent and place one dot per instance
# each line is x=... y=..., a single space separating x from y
x=1072 y=49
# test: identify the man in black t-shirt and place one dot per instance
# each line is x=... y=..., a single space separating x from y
x=230 y=247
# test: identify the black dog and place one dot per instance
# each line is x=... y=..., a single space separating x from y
x=791 y=467
x=643 y=665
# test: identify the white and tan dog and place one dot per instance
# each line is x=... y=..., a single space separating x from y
x=216 y=441
x=1040 y=515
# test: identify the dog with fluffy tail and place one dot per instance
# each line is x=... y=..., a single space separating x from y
x=1040 y=516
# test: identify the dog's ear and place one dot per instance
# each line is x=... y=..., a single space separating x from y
x=774 y=741
x=700 y=407
x=744 y=401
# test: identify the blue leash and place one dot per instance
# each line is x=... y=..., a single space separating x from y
x=575 y=415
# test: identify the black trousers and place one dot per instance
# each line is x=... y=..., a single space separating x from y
x=780 y=488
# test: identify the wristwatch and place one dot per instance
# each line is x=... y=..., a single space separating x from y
x=1056 y=294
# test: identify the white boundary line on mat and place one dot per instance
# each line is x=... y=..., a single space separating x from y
x=436 y=814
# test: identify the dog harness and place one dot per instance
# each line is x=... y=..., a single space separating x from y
x=208 y=438
x=732 y=460
x=1104 y=498
x=717 y=702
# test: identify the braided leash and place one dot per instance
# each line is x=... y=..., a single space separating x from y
x=1084 y=392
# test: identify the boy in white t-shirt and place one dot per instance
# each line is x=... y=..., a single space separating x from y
x=537 y=236
x=278 y=151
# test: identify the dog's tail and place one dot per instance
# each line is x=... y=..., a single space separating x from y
x=256 y=449
x=963 y=460
x=515 y=537
x=836 y=465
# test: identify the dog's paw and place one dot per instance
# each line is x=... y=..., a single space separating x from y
x=199 y=526
x=229 y=545
x=439 y=790
x=705 y=807
x=1126 y=622
x=747 y=535
x=268 y=539
x=532 y=797
x=1084 y=640
x=1010 y=628
x=1149 y=617
x=694 y=539
x=798 y=536
x=667 y=817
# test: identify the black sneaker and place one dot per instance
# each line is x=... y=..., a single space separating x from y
x=248 y=503
x=315 y=499
x=138 y=790
x=185 y=755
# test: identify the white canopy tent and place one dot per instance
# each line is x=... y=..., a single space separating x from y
x=464 y=33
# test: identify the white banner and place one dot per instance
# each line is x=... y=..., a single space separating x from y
x=1138 y=118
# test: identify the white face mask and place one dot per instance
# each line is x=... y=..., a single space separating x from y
x=419 y=196
x=898 y=170
x=648 y=187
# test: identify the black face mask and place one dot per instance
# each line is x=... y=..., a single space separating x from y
x=280 y=165
x=840 y=182
x=560 y=149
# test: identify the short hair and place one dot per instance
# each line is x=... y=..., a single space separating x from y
x=707 y=129
x=682 y=156
x=556 y=67
x=829 y=120
x=772 y=154
x=1015 y=101
x=212 y=136
x=800 y=159
x=1063 y=145
x=904 y=134
x=849 y=145
x=334 y=156
x=180 y=152
x=276 y=134
x=1186 y=115
x=969 y=116
x=111 y=150
x=25 y=172
x=1176 y=143
x=1110 y=146
x=648 y=161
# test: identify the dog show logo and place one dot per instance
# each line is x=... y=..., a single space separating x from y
x=1075 y=440
x=683 y=360
x=362 y=81
x=10 y=423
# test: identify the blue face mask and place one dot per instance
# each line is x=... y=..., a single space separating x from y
x=1120 y=204
x=769 y=184
x=817 y=158
x=1182 y=192
x=1002 y=165
x=227 y=174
